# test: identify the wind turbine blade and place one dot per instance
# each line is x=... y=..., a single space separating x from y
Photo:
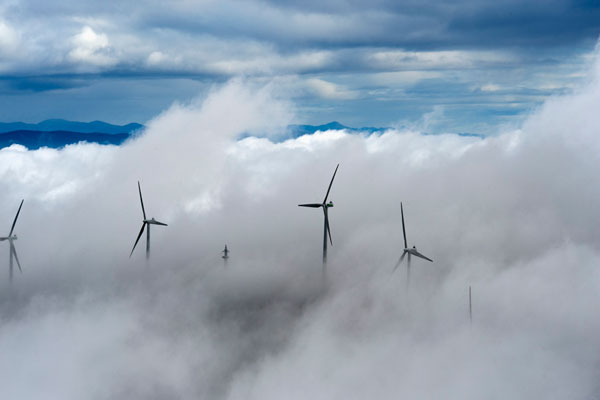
x=327 y=224
x=312 y=205
x=159 y=223
x=331 y=183
x=13 y=251
x=400 y=260
x=403 y=229
x=417 y=254
x=12 y=228
x=141 y=200
x=138 y=239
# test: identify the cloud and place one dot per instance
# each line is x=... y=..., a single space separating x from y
x=9 y=39
x=329 y=90
x=490 y=87
x=156 y=58
x=512 y=216
x=432 y=60
x=91 y=48
x=389 y=33
x=531 y=52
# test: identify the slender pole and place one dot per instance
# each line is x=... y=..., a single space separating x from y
x=10 y=268
x=147 y=241
x=470 y=307
x=325 y=241
x=408 y=271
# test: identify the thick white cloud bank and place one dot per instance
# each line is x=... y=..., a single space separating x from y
x=513 y=216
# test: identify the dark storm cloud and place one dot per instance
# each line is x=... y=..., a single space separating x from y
x=293 y=26
x=41 y=84
x=411 y=25
x=527 y=25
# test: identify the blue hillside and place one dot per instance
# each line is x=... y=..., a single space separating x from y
x=53 y=125
x=35 y=139
x=295 y=131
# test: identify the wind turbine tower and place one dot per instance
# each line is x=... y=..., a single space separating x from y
x=470 y=307
x=225 y=256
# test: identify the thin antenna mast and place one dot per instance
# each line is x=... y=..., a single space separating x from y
x=470 y=306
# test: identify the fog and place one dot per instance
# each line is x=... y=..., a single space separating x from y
x=512 y=215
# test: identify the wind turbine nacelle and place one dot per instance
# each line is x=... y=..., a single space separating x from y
x=330 y=204
x=154 y=222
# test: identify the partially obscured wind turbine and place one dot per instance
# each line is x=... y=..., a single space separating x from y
x=225 y=254
x=325 y=206
x=412 y=251
x=145 y=222
x=13 y=251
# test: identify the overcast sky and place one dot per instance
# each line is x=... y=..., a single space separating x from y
x=467 y=66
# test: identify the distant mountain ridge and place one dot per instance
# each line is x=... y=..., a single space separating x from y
x=53 y=125
x=299 y=130
x=34 y=140
x=57 y=133
x=295 y=131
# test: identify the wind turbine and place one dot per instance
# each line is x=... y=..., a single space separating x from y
x=325 y=206
x=408 y=251
x=13 y=251
x=145 y=222
x=225 y=254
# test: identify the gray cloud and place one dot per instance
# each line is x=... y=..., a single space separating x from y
x=511 y=215
x=199 y=33
x=47 y=48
